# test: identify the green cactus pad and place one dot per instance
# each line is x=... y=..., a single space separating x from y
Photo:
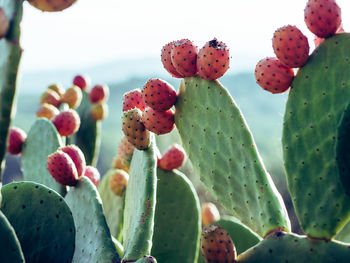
x=344 y=234
x=93 y=241
x=140 y=201
x=42 y=140
x=319 y=95
x=10 y=248
x=223 y=153
x=113 y=205
x=282 y=247
x=42 y=220
x=177 y=223
x=118 y=246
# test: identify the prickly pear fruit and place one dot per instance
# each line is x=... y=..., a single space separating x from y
x=47 y=111
x=322 y=17
x=318 y=40
x=50 y=97
x=82 y=81
x=62 y=168
x=93 y=174
x=217 y=245
x=184 y=57
x=159 y=94
x=159 y=122
x=134 y=130
x=52 y=5
x=210 y=214
x=15 y=140
x=4 y=23
x=99 y=93
x=166 y=60
x=173 y=158
x=77 y=157
x=124 y=156
x=118 y=181
x=273 y=76
x=73 y=97
x=57 y=88
x=133 y=99
x=213 y=60
x=99 y=111
x=291 y=46
x=67 y=122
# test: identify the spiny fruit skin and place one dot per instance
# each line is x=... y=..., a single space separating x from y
x=47 y=111
x=322 y=17
x=173 y=158
x=118 y=181
x=57 y=88
x=159 y=122
x=99 y=111
x=273 y=76
x=50 y=97
x=82 y=81
x=159 y=94
x=217 y=245
x=291 y=46
x=73 y=97
x=134 y=130
x=93 y=174
x=4 y=24
x=166 y=60
x=184 y=57
x=213 y=60
x=133 y=99
x=77 y=157
x=62 y=168
x=15 y=140
x=67 y=122
x=99 y=93
x=210 y=214
x=52 y=5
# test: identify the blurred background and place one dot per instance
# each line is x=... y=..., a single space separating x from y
x=119 y=42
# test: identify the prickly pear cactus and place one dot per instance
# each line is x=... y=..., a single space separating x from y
x=223 y=153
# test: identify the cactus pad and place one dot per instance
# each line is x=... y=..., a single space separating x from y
x=42 y=221
x=177 y=221
x=223 y=153
x=319 y=95
x=42 y=140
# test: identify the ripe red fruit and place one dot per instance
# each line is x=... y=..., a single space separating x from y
x=93 y=174
x=159 y=94
x=82 y=81
x=99 y=93
x=184 y=57
x=133 y=99
x=173 y=158
x=322 y=17
x=290 y=46
x=213 y=60
x=52 y=5
x=4 y=23
x=50 y=97
x=77 y=157
x=15 y=140
x=159 y=122
x=67 y=122
x=273 y=76
x=62 y=168
x=166 y=60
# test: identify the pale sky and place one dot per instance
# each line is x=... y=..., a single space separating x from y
x=92 y=32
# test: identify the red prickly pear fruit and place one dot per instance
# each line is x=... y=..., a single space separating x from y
x=210 y=214
x=4 y=24
x=322 y=17
x=47 y=111
x=184 y=57
x=67 y=122
x=15 y=140
x=77 y=157
x=93 y=174
x=124 y=156
x=99 y=93
x=52 y=5
x=133 y=99
x=159 y=94
x=50 y=97
x=99 y=111
x=134 y=130
x=291 y=46
x=318 y=40
x=57 y=88
x=118 y=181
x=73 y=97
x=173 y=158
x=166 y=60
x=82 y=81
x=213 y=60
x=273 y=76
x=217 y=245
x=159 y=122
x=62 y=168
